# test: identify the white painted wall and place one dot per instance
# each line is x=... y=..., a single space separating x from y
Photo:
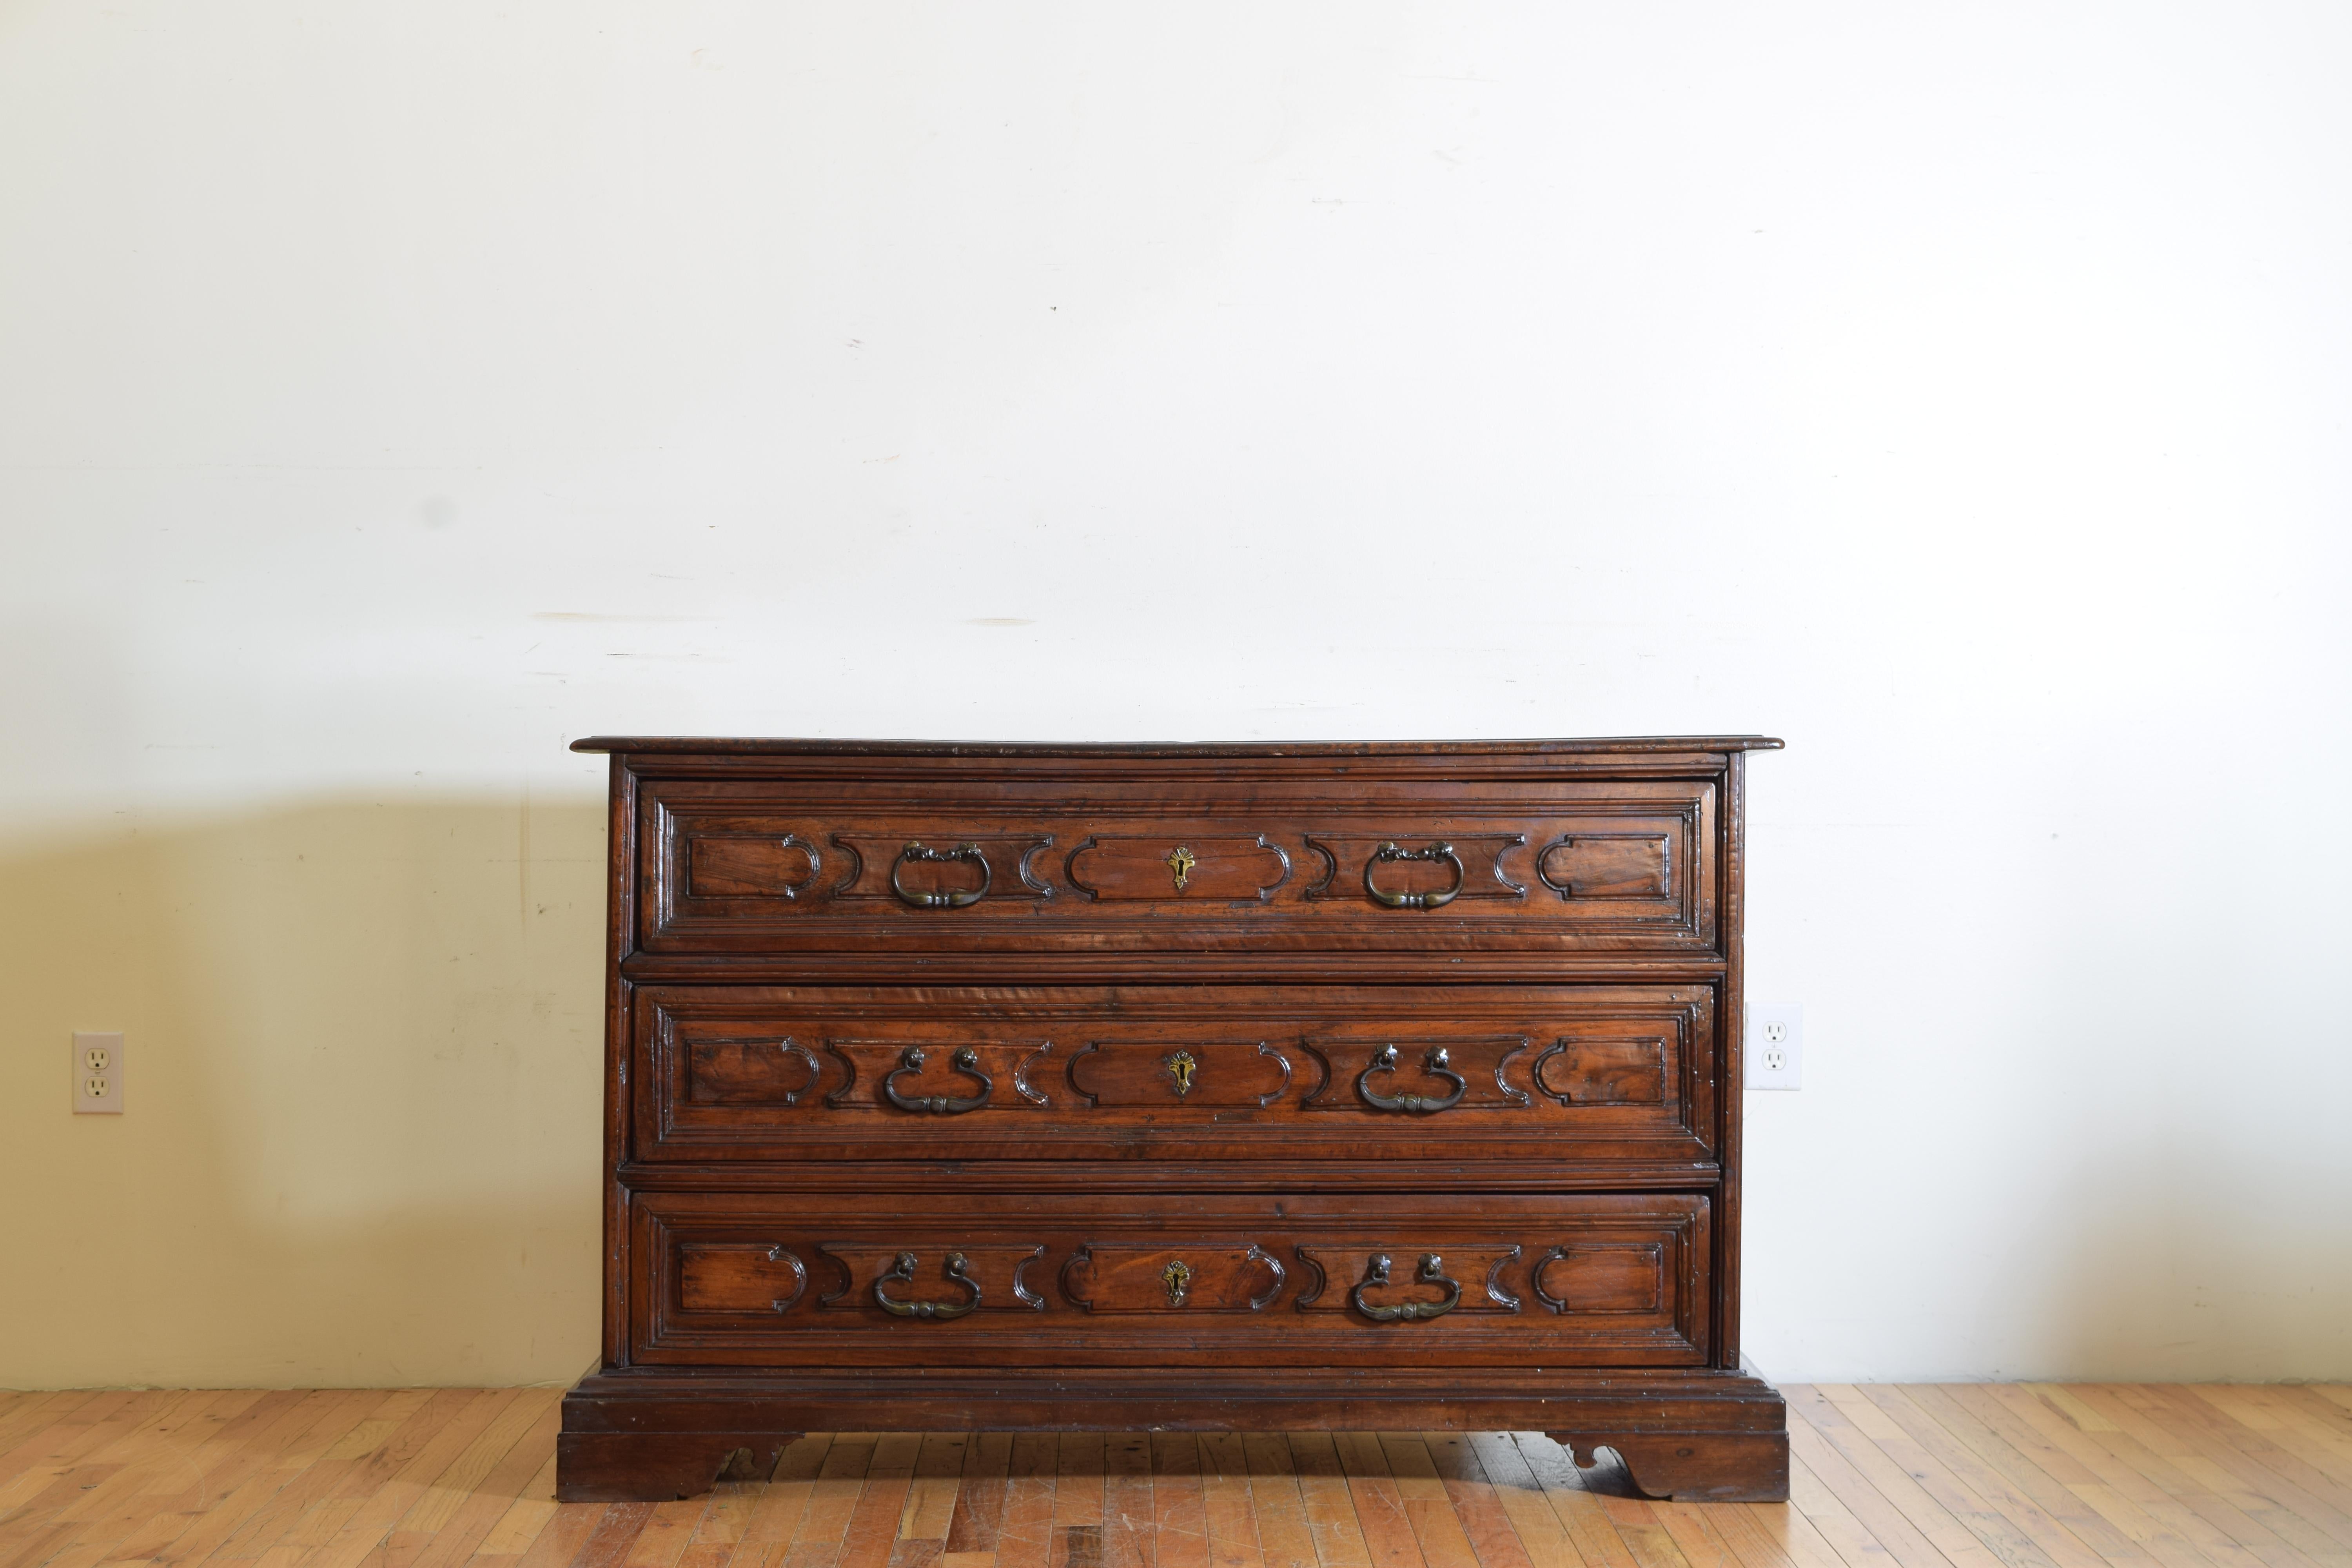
x=391 y=391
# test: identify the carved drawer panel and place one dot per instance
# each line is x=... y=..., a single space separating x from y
x=1503 y=1073
x=1039 y=868
x=999 y=1278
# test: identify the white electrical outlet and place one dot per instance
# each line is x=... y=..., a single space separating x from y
x=96 y=1073
x=1776 y=1044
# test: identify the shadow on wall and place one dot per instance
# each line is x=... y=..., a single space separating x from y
x=363 y=1075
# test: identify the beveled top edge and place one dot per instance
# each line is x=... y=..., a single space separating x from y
x=745 y=746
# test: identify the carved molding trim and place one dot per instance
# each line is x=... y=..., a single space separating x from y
x=782 y=1254
x=1495 y=1291
x=1079 y=1264
x=1021 y=1291
x=1314 y=1292
x=1021 y=1075
x=1257 y=1254
x=1513 y=1096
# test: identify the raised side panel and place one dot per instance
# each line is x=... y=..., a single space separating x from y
x=1590 y=1072
x=1588 y=1277
x=1634 y=867
x=737 y=1277
x=749 y=866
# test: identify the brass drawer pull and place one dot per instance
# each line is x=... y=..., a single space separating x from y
x=1430 y=1272
x=1434 y=1064
x=903 y=1267
x=1414 y=900
x=966 y=1061
x=916 y=851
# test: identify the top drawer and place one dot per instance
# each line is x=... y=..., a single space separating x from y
x=1042 y=866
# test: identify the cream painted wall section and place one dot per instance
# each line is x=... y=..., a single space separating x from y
x=390 y=394
x=356 y=1116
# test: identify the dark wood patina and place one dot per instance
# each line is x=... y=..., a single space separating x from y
x=1367 y=1086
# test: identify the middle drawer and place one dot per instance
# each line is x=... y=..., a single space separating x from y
x=1507 y=1072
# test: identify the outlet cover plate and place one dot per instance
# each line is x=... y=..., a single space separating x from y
x=1776 y=1044
x=96 y=1072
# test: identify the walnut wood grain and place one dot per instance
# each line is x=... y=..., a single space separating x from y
x=1573 y=1281
x=1556 y=1073
x=1375 y=1085
x=1275 y=862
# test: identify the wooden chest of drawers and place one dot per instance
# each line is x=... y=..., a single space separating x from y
x=1380 y=1086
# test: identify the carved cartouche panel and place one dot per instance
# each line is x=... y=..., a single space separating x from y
x=1174 y=865
x=1199 y=1074
x=1172 y=1278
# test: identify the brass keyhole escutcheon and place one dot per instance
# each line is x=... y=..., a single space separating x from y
x=1179 y=1280
x=1181 y=861
x=1182 y=1066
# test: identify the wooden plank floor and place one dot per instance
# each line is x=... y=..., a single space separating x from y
x=1973 y=1476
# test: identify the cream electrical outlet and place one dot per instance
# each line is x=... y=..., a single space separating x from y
x=1776 y=1044
x=96 y=1073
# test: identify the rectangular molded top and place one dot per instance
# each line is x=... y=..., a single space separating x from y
x=739 y=746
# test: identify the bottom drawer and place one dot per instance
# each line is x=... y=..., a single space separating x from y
x=978 y=1279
